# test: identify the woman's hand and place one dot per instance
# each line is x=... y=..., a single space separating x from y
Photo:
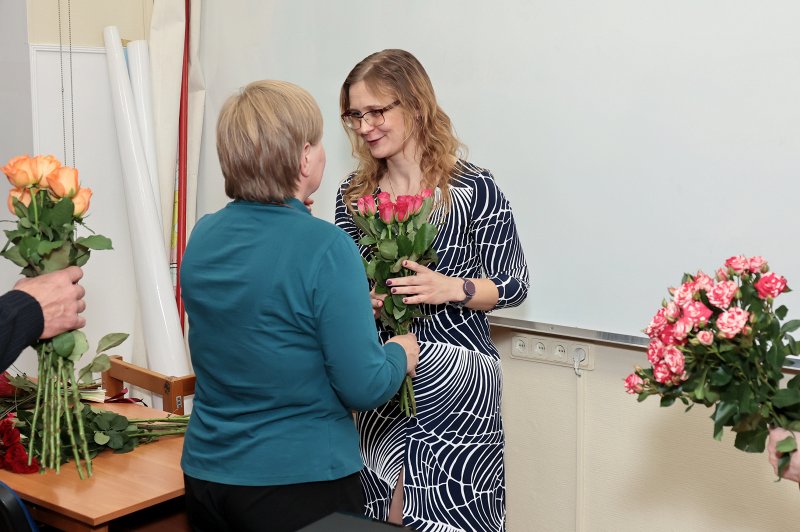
x=793 y=471
x=377 y=302
x=426 y=286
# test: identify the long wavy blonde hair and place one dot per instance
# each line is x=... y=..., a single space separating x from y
x=399 y=75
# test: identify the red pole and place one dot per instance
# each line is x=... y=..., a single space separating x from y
x=182 y=141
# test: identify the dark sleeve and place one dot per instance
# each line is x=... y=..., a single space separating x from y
x=498 y=243
x=21 y=324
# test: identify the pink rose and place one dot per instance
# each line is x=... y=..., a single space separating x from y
x=685 y=293
x=697 y=312
x=634 y=384
x=386 y=212
x=418 y=201
x=657 y=324
x=383 y=197
x=366 y=205
x=667 y=335
x=674 y=359
x=731 y=322
x=758 y=264
x=770 y=285
x=403 y=208
x=682 y=328
x=721 y=295
x=662 y=374
x=703 y=282
x=705 y=337
x=655 y=351
x=426 y=193
x=722 y=274
x=738 y=263
x=672 y=311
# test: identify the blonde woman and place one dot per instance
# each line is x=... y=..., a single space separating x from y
x=443 y=469
x=282 y=338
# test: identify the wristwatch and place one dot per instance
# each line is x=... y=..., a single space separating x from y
x=469 y=292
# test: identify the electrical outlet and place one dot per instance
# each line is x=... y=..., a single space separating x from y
x=551 y=351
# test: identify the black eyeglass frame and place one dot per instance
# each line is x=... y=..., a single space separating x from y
x=350 y=116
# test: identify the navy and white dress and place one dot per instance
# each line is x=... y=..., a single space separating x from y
x=452 y=451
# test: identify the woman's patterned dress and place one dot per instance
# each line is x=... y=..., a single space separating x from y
x=452 y=451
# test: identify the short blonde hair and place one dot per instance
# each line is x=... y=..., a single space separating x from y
x=261 y=132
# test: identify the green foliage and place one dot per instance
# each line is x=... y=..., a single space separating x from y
x=739 y=372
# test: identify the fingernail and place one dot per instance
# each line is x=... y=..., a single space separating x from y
x=405 y=263
x=394 y=290
x=388 y=282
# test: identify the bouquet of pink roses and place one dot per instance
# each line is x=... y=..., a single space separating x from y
x=395 y=232
x=719 y=342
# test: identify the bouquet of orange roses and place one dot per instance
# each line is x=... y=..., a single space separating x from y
x=719 y=342
x=395 y=232
x=50 y=203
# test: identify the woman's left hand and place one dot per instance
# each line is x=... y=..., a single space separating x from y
x=425 y=286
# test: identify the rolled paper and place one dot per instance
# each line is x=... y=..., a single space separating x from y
x=139 y=69
x=166 y=352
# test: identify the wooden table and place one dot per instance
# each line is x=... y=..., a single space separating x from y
x=121 y=484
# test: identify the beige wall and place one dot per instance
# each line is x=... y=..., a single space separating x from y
x=88 y=18
x=583 y=455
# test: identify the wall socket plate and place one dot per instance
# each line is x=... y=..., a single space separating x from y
x=551 y=351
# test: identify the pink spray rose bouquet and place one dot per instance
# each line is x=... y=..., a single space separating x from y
x=719 y=342
x=395 y=232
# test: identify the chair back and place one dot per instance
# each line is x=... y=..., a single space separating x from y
x=173 y=390
x=14 y=515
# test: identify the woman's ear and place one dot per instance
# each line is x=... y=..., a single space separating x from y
x=305 y=168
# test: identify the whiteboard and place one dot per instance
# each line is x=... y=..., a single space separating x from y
x=636 y=140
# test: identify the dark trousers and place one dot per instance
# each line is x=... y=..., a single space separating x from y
x=213 y=507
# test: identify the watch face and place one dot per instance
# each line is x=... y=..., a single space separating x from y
x=469 y=288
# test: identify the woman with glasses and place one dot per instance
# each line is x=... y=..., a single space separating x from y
x=443 y=468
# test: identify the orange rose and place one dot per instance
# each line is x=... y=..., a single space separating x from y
x=20 y=172
x=81 y=201
x=43 y=166
x=22 y=194
x=63 y=182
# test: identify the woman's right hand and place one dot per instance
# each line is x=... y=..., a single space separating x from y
x=377 y=302
x=409 y=343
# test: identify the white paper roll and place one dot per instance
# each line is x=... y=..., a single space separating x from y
x=161 y=326
x=139 y=69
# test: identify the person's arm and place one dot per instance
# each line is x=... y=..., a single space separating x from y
x=21 y=324
x=364 y=373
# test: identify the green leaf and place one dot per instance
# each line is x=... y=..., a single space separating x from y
x=99 y=364
x=786 y=445
x=111 y=340
x=101 y=438
x=790 y=326
x=752 y=441
x=57 y=259
x=64 y=343
x=404 y=246
x=367 y=241
x=388 y=249
x=96 y=242
x=14 y=256
x=116 y=441
x=424 y=238
x=786 y=397
x=722 y=414
x=80 y=347
x=59 y=215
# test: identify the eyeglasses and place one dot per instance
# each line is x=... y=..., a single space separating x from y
x=352 y=119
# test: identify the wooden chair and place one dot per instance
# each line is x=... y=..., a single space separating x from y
x=171 y=389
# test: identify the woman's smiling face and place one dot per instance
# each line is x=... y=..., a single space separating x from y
x=388 y=139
